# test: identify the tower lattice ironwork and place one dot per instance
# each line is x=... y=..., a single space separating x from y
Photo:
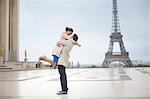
x=116 y=36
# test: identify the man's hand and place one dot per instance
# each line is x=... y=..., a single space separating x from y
x=79 y=45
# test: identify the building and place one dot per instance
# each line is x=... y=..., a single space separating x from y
x=9 y=29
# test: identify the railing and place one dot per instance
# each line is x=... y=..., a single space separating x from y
x=116 y=53
x=20 y=65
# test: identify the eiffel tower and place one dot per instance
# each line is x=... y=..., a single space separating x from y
x=123 y=55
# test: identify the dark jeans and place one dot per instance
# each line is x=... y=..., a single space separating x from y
x=63 y=77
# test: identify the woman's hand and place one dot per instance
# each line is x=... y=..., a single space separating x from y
x=58 y=44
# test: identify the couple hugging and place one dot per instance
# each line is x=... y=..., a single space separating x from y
x=61 y=56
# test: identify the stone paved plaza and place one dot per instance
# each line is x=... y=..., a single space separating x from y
x=101 y=83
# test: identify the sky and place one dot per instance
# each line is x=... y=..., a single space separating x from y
x=42 y=22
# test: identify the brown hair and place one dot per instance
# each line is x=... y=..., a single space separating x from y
x=69 y=29
x=75 y=37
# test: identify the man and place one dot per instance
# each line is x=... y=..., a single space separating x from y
x=63 y=62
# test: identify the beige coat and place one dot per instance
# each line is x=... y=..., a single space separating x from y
x=57 y=49
x=64 y=56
